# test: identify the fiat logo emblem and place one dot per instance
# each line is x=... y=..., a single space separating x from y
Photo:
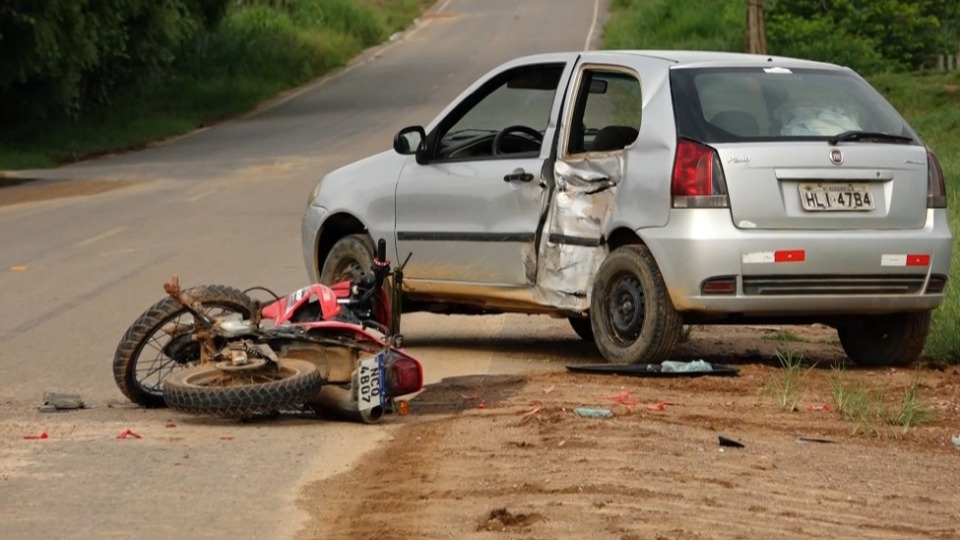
x=836 y=156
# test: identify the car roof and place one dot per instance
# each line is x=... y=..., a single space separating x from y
x=692 y=58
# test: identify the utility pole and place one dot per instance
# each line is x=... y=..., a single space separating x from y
x=756 y=33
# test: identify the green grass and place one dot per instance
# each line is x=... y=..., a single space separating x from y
x=256 y=53
x=929 y=101
x=787 y=386
x=869 y=411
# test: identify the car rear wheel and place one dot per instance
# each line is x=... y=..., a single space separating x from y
x=633 y=319
x=885 y=340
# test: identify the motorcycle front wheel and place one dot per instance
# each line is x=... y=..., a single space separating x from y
x=232 y=392
x=160 y=341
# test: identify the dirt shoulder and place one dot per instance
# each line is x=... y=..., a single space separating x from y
x=491 y=456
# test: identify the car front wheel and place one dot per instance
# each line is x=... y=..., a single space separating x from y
x=633 y=319
x=885 y=340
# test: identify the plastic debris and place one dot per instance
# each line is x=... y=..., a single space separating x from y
x=481 y=405
x=694 y=366
x=533 y=412
x=57 y=401
x=588 y=412
x=653 y=370
x=129 y=433
x=956 y=441
x=19 y=268
x=659 y=406
x=623 y=398
x=724 y=441
x=41 y=435
x=470 y=397
x=821 y=408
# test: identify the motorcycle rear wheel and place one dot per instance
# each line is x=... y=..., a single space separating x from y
x=159 y=342
x=208 y=389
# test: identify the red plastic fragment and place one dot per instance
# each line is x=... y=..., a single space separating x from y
x=42 y=435
x=481 y=405
x=659 y=406
x=823 y=408
x=623 y=398
x=129 y=433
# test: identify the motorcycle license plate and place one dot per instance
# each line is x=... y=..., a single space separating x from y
x=370 y=382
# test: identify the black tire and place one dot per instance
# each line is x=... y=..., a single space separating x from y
x=634 y=321
x=885 y=340
x=140 y=377
x=352 y=256
x=583 y=327
x=206 y=389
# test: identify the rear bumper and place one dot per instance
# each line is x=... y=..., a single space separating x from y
x=701 y=244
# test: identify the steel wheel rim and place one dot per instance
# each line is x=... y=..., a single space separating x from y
x=150 y=374
x=216 y=378
x=625 y=309
x=347 y=270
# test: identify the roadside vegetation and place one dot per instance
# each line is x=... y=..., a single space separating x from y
x=854 y=33
x=871 y=408
x=88 y=80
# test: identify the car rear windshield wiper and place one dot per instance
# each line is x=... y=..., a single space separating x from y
x=867 y=136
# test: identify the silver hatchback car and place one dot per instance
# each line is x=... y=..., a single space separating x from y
x=635 y=191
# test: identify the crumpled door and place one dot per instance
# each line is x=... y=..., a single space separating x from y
x=573 y=246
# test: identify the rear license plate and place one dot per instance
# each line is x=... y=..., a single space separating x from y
x=835 y=197
x=370 y=382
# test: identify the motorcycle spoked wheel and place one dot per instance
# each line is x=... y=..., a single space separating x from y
x=241 y=393
x=159 y=342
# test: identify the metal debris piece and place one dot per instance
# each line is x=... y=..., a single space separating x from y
x=57 y=401
x=588 y=412
x=815 y=440
x=724 y=441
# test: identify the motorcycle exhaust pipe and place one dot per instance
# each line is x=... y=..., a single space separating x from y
x=342 y=402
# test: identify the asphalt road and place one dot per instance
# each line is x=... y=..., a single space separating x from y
x=223 y=205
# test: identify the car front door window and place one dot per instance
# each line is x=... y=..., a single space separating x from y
x=506 y=118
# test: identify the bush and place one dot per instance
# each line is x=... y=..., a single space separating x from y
x=668 y=24
x=64 y=56
x=870 y=36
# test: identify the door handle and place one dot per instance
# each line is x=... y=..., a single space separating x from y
x=519 y=175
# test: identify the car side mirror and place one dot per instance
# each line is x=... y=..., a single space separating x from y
x=410 y=140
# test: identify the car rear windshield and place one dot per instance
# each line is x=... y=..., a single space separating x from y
x=716 y=105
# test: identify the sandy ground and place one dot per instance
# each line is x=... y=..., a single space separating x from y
x=505 y=456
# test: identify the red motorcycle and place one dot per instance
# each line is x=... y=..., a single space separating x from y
x=215 y=350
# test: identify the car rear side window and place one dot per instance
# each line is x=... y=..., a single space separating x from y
x=606 y=114
x=718 y=105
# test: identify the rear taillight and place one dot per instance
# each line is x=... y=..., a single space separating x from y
x=404 y=376
x=936 y=186
x=698 y=180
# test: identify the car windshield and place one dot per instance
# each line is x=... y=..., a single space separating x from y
x=717 y=105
